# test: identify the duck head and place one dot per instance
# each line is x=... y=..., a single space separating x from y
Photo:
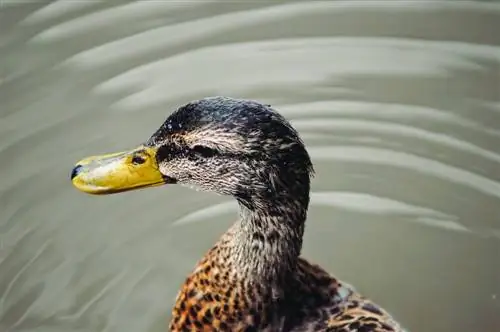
x=229 y=146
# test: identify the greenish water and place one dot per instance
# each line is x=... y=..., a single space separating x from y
x=398 y=102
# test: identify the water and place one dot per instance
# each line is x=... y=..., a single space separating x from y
x=399 y=104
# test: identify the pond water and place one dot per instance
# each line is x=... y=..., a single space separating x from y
x=398 y=103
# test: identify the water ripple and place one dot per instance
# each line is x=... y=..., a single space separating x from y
x=408 y=161
x=378 y=127
x=398 y=103
x=116 y=15
x=357 y=202
x=389 y=111
x=55 y=9
x=347 y=56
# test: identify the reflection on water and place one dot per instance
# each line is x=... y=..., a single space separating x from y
x=399 y=104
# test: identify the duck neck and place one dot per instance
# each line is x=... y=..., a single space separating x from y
x=265 y=243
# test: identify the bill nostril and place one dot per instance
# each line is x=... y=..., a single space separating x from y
x=76 y=171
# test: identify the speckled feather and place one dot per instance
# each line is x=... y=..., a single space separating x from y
x=313 y=301
x=253 y=278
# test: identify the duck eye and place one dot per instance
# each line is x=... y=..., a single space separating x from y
x=137 y=160
x=204 y=151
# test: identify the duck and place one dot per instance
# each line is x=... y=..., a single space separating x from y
x=254 y=277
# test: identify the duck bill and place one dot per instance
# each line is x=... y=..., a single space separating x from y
x=118 y=172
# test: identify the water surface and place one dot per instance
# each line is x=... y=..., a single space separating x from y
x=398 y=102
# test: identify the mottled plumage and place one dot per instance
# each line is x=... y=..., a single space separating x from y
x=253 y=278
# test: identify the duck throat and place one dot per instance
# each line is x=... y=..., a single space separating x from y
x=264 y=245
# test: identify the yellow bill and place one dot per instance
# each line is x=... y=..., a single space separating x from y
x=118 y=172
